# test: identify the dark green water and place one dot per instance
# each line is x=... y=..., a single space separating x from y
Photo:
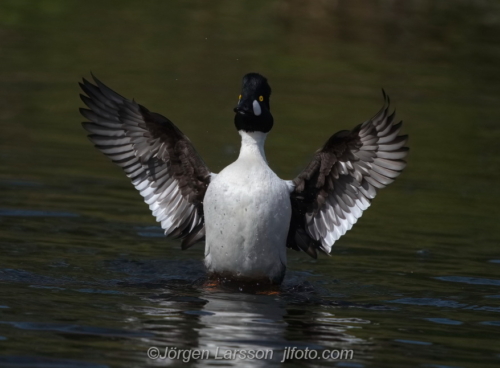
x=87 y=279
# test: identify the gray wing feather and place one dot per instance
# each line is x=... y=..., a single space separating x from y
x=158 y=158
x=331 y=194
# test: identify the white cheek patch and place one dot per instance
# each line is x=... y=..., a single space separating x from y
x=256 y=108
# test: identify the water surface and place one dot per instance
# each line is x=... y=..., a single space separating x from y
x=87 y=279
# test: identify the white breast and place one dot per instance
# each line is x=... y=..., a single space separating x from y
x=247 y=215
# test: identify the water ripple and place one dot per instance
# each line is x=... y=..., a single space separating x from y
x=42 y=362
x=436 y=302
x=469 y=280
x=78 y=330
x=444 y=321
x=34 y=213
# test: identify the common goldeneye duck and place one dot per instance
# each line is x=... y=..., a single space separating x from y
x=246 y=214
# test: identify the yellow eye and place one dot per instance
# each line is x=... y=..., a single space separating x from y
x=261 y=98
x=239 y=97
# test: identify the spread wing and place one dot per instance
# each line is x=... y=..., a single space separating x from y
x=159 y=159
x=341 y=180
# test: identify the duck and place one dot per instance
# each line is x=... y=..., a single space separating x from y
x=247 y=216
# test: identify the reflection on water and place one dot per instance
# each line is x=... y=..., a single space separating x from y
x=231 y=323
x=87 y=278
x=217 y=322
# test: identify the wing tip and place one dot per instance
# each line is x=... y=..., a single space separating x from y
x=387 y=99
x=96 y=80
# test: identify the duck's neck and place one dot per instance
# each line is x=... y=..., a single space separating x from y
x=252 y=146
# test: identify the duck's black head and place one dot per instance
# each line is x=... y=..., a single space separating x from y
x=253 y=113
